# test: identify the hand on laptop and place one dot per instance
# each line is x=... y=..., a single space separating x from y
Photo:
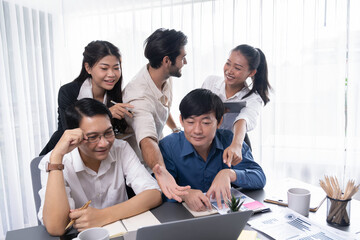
x=221 y=186
x=87 y=218
x=168 y=185
x=232 y=154
x=197 y=201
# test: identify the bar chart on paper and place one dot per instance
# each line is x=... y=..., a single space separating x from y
x=288 y=224
x=300 y=224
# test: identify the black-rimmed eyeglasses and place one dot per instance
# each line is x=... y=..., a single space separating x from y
x=109 y=135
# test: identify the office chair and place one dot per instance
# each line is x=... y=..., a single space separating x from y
x=36 y=182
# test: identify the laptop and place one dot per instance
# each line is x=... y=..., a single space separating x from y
x=215 y=227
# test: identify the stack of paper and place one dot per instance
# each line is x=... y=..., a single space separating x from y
x=288 y=224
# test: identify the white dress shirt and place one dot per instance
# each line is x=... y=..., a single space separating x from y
x=250 y=113
x=151 y=107
x=104 y=188
x=86 y=91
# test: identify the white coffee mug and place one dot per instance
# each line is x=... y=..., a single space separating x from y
x=96 y=233
x=299 y=200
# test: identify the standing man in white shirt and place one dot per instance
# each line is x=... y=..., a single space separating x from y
x=150 y=92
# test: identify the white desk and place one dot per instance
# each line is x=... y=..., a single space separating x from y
x=318 y=193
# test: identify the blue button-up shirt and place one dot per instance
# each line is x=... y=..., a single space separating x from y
x=189 y=168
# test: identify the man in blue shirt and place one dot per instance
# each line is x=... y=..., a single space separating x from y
x=194 y=156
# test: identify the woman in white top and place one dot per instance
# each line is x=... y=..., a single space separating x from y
x=244 y=62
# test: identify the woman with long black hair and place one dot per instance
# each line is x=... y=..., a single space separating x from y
x=244 y=62
x=100 y=78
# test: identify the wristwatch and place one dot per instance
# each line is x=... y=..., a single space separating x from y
x=54 y=166
x=177 y=129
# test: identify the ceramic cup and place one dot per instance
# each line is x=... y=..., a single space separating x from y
x=299 y=200
x=93 y=234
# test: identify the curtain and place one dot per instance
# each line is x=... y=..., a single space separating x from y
x=27 y=106
x=352 y=143
x=311 y=49
x=302 y=133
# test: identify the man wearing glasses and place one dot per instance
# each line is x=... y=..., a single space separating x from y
x=88 y=163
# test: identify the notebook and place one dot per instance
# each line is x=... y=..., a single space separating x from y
x=121 y=227
x=200 y=213
x=228 y=226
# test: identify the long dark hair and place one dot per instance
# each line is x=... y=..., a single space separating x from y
x=94 y=52
x=257 y=61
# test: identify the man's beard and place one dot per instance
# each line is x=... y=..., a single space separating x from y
x=175 y=72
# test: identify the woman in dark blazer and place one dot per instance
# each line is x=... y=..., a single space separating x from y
x=100 y=78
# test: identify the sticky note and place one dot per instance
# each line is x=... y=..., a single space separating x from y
x=247 y=235
x=253 y=205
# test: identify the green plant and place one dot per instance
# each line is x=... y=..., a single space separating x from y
x=234 y=204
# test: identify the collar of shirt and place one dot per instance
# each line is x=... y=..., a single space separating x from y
x=164 y=95
x=189 y=149
x=86 y=91
x=80 y=166
x=221 y=89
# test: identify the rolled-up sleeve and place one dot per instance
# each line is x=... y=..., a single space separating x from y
x=143 y=122
x=249 y=174
x=151 y=106
x=251 y=112
x=136 y=175
x=44 y=177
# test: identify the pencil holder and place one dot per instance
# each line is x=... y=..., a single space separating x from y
x=338 y=211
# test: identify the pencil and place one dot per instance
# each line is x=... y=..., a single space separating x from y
x=73 y=220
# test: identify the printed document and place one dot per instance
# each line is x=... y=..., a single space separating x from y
x=289 y=225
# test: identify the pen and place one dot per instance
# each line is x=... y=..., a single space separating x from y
x=73 y=220
x=113 y=102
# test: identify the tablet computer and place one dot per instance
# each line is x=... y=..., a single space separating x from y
x=234 y=107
